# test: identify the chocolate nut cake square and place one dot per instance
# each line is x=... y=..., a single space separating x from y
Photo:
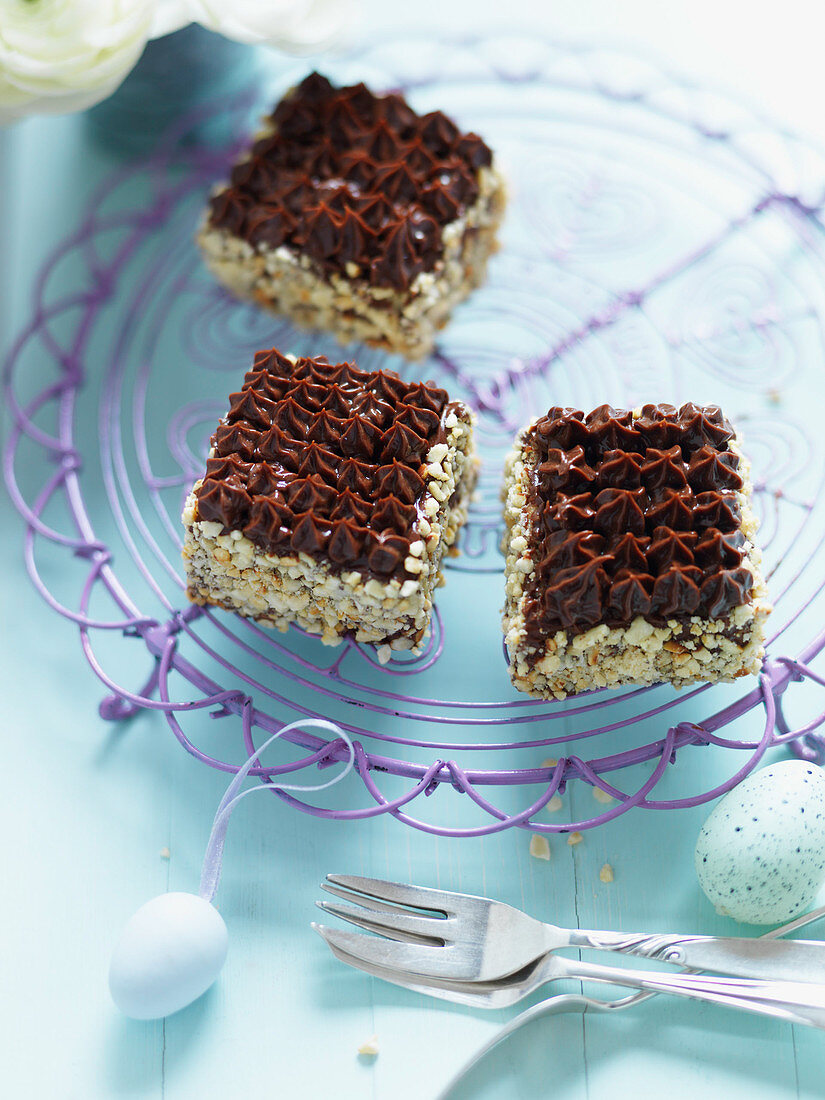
x=630 y=551
x=329 y=499
x=353 y=214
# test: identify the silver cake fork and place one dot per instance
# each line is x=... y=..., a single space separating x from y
x=796 y=1002
x=491 y=998
x=441 y=934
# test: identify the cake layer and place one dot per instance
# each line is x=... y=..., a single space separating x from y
x=330 y=497
x=354 y=214
x=630 y=551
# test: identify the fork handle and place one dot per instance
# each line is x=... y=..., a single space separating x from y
x=797 y=1002
x=790 y=960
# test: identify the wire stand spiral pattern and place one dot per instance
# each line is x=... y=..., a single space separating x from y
x=618 y=281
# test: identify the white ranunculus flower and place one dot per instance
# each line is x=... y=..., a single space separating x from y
x=170 y=15
x=64 y=55
x=301 y=26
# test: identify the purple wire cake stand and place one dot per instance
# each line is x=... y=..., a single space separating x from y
x=662 y=243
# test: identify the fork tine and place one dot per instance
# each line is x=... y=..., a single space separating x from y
x=395 y=926
x=417 y=897
x=415 y=959
x=466 y=993
x=362 y=899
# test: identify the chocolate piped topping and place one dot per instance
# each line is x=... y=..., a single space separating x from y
x=350 y=177
x=633 y=516
x=325 y=459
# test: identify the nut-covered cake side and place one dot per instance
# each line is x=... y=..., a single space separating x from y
x=355 y=215
x=630 y=551
x=330 y=497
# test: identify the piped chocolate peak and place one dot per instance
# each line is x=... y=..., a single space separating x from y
x=325 y=459
x=349 y=177
x=633 y=516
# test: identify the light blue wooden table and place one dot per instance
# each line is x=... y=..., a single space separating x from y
x=88 y=808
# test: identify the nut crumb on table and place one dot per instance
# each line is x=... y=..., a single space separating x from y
x=369 y=1049
x=539 y=846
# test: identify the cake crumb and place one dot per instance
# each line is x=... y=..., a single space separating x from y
x=369 y=1049
x=539 y=847
x=602 y=796
x=554 y=805
x=164 y=853
x=606 y=873
x=774 y=397
x=575 y=838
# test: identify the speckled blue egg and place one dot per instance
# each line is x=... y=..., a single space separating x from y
x=760 y=856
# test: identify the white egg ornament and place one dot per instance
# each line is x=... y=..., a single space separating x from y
x=760 y=856
x=168 y=955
